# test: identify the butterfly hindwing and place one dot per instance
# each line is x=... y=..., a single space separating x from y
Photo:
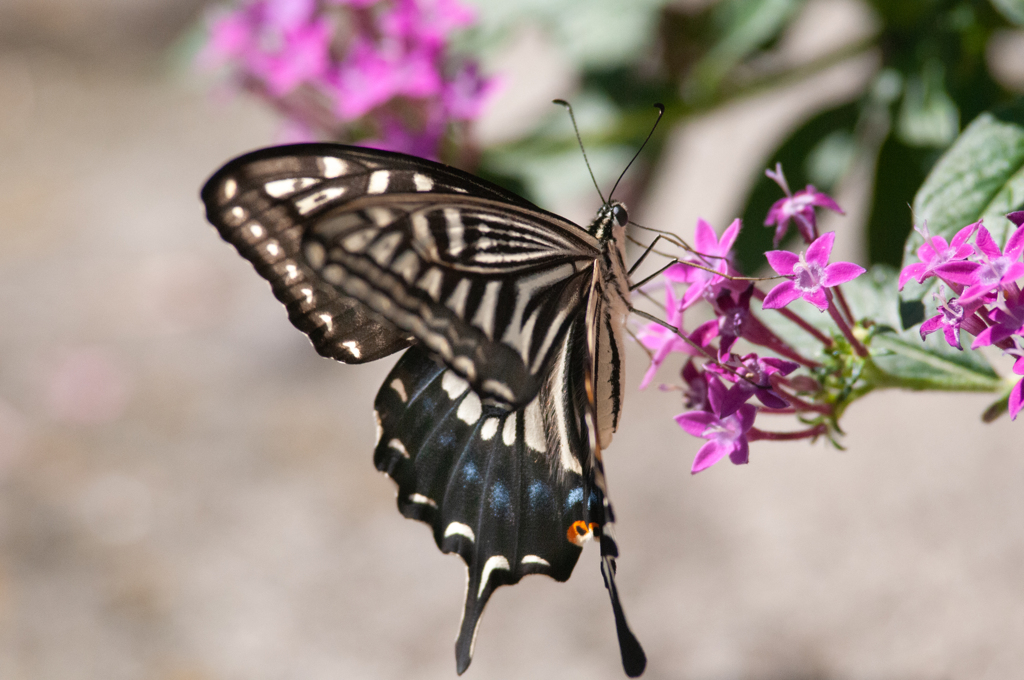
x=502 y=488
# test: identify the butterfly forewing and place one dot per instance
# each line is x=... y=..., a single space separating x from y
x=481 y=286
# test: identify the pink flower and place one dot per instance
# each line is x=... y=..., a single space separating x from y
x=1017 y=393
x=661 y=340
x=998 y=268
x=1009 y=320
x=751 y=376
x=798 y=207
x=726 y=435
x=945 y=260
x=713 y=254
x=950 y=318
x=378 y=69
x=306 y=58
x=1016 y=217
x=809 y=275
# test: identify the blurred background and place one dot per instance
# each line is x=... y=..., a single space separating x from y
x=186 y=488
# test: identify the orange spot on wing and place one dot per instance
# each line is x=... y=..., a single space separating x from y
x=580 y=532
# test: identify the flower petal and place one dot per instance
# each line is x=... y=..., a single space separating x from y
x=781 y=295
x=821 y=249
x=914 y=271
x=841 y=272
x=709 y=454
x=986 y=244
x=745 y=415
x=1016 y=399
x=696 y=422
x=818 y=298
x=705 y=238
x=782 y=261
x=729 y=237
x=967 y=232
x=1015 y=244
x=740 y=454
x=963 y=272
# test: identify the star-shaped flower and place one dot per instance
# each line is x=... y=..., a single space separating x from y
x=662 y=341
x=809 y=274
x=1009 y=320
x=950 y=317
x=751 y=376
x=726 y=435
x=945 y=260
x=798 y=207
x=998 y=268
x=713 y=255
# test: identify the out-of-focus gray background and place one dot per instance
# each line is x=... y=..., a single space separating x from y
x=187 y=492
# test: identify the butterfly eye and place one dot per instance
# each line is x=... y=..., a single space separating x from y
x=621 y=217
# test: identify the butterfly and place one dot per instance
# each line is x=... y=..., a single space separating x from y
x=493 y=421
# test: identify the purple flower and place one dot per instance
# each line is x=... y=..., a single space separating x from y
x=696 y=394
x=809 y=275
x=798 y=207
x=998 y=268
x=1016 y=217
x=751 y=376
x=1017 y=393
x=1009 y=320
x=726 y=435
x=946 y=260
x=661 y=340
x=950 y=318
x=732 y=319
x=713 y=254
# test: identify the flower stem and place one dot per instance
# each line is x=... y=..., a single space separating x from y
x=818 y=335
x=842 y=303
x=754 y=434
x=860 y=349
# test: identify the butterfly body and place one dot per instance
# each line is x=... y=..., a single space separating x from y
x=493 y=421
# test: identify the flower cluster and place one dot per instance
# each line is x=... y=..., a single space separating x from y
x=720 y=384
x=986 y=299
x=375 y=71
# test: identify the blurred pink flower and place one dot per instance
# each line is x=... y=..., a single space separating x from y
x=376 y=72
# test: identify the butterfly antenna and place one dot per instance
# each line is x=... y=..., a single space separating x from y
x=579 y=139
x=661 y=112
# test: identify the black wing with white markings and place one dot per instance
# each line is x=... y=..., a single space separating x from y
x=503 y=489
x=492 y=424
x=485 y=287
x=483 y=278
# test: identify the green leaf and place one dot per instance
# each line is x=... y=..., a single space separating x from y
x=1013 y=10
x=980 y=177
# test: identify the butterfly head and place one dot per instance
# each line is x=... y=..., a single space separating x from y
x=611 y=215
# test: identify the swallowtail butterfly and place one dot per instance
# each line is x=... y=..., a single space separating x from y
x=493 y=421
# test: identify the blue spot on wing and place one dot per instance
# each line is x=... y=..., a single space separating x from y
x=539 y=494
x=575 y=496
x=499 y=497
x=470 y=473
